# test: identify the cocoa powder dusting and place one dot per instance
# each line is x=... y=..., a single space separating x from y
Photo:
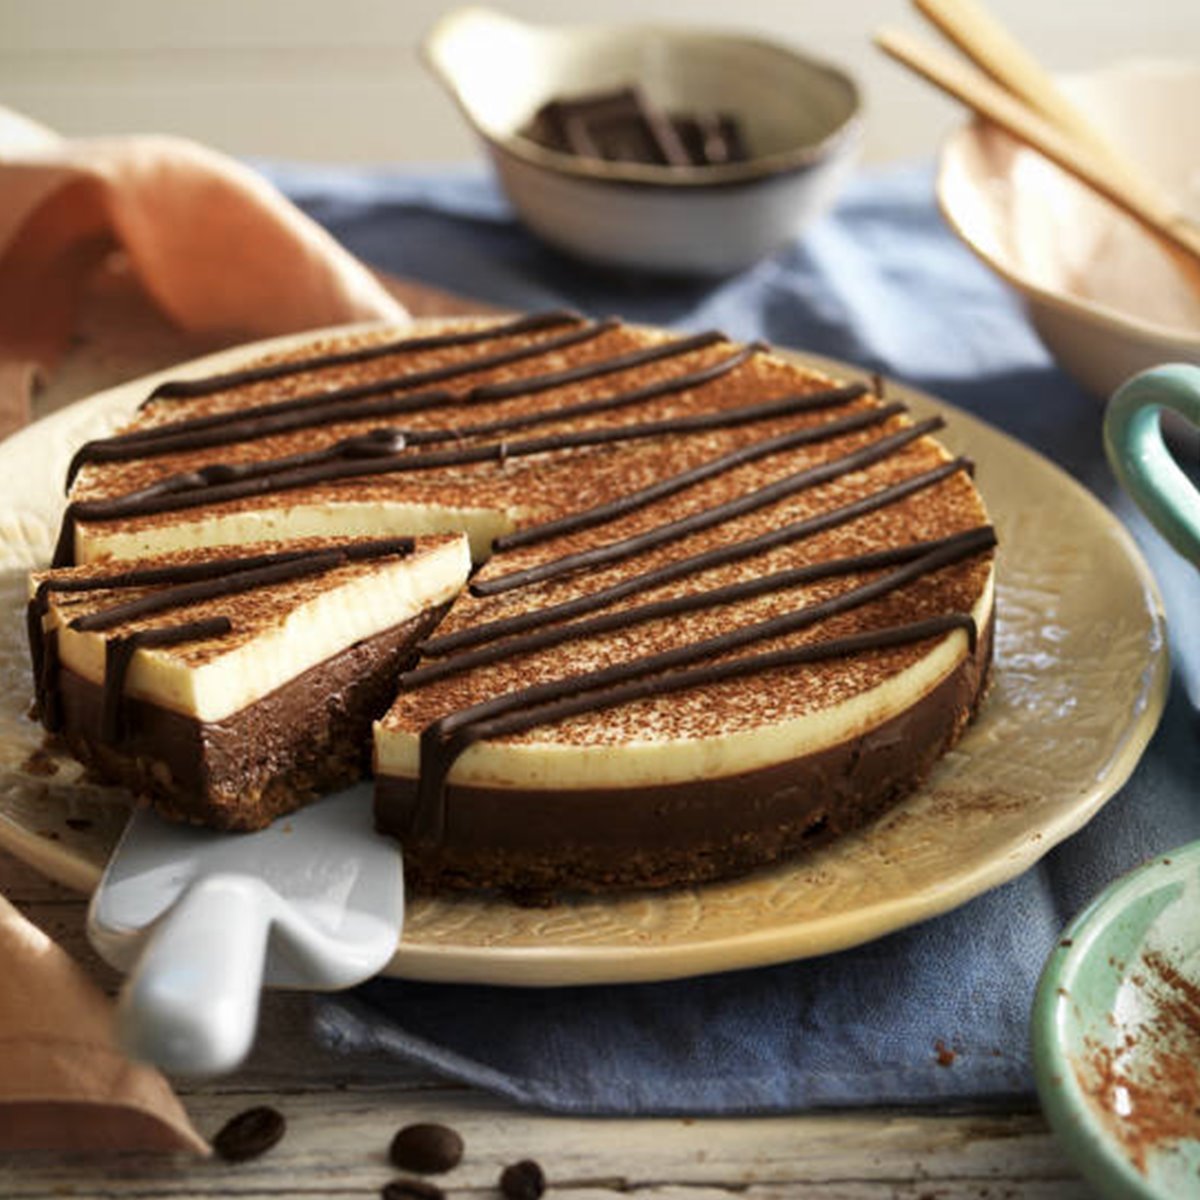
x=1147 y=1085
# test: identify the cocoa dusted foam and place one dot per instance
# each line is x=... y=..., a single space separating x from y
x=721 y=556
x=345 y=459
x=187 y=389
x=330 y=407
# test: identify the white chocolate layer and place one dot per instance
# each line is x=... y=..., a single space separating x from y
x=330 y=519
x=539 y=765
x=386 y=595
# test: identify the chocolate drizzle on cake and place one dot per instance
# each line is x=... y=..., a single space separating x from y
x=340 y=405
x=722 y=555
x=720 y=513
x=187 y=389
x=181 y=585
x=524 y=643
x=652 y=391
x=333 y=404
x=380 y=452
x=119 y=652
x=229 y=583
x=656 y=674
x=239 y=426
x=587 y=518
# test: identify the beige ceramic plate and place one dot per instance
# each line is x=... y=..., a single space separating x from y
x=1079 y=685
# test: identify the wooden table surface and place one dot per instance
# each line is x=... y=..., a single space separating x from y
x=342 y=1111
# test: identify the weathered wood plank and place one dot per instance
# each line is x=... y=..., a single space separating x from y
x=22 y=884
x=957 y=1189
x=337 y=1144
x=344 y=1108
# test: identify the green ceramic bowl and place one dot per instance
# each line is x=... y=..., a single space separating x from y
x=1116 y=1033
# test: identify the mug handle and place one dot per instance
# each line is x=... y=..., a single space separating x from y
x=1134 y=443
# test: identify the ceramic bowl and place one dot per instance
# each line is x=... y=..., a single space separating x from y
x=800 y=117
x=1104 y=297
x=1116 y=1033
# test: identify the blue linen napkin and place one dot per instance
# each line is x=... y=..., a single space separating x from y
x=934 y=1012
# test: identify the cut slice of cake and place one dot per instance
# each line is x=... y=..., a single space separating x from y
x=726 y=605
x=230 y=686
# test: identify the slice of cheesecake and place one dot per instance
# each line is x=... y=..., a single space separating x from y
x=230 y=686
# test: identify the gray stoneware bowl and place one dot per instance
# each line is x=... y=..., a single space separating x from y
x=801 y=118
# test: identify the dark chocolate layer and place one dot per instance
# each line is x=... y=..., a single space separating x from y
x=308 y=737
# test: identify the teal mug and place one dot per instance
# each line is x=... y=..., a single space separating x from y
x=1134 y=443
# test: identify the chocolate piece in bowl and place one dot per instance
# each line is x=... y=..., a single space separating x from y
x=625 y=126
x=725 y=606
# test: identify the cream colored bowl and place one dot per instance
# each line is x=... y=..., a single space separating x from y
x=1104 y=297
x=800 y=118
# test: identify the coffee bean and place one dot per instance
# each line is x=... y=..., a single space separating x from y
x=523 y=1180
x=249 y=1134
x=427 y=1148
x=412 y=1189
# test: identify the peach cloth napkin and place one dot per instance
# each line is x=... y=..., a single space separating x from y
x=216 y=247
x=63 y=1083
x=225 y=258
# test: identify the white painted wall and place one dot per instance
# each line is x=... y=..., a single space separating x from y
x=340 y=80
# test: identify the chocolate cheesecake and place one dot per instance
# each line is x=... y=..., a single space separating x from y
x=725 y=606
x=231 y=686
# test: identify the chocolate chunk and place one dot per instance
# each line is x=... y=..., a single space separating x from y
x=249 y=1134
x=428 y=1148
x=623 y=125
x=711 y=138
x=411 y=1189
x=524 y=1180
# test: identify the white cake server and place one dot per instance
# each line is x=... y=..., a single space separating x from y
x=203 y=920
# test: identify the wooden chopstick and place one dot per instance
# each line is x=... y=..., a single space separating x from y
x=1127 y=190
x=970 y=27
